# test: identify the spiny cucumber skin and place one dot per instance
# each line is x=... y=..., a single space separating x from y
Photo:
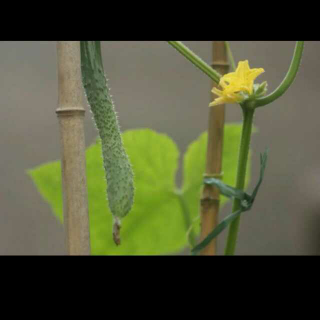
x=119 y=174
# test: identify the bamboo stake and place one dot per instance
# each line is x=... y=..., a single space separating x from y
x=209 y=204
x=71 y=120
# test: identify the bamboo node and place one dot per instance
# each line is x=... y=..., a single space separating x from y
x=213 y=175
x=220 y=64
x=209 y=201
x=67 y=112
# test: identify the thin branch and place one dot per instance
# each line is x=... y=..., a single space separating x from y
x=197 y=61
x=288 y=80
x=230 y=56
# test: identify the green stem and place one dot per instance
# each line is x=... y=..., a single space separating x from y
x=230 y=56
x=288 y=80
x=197 y=61
x=241 y=175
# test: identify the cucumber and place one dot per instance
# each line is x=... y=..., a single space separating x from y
x=119 y=174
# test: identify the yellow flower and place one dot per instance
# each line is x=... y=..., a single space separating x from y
x=235 y=83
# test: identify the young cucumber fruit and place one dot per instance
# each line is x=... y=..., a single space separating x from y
x=119 y=174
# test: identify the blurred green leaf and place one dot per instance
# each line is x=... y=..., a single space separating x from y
x=156 y=224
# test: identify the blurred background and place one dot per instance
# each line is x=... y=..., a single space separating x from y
x=153 y=86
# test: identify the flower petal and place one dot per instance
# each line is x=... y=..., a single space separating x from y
x=217 y=102
x=255 y=73
x=217 y=92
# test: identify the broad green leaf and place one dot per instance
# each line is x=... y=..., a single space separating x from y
x=156 y=224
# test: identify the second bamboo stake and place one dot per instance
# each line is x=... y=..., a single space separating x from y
x=210 y=196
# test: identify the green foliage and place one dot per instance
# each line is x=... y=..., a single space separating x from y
x=157 y=223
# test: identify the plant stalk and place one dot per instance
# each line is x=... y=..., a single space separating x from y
x=241 y=175
x=197 y=61
x=210 y=200
x=288 y=80
x=73 y=165
x=230 y=56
